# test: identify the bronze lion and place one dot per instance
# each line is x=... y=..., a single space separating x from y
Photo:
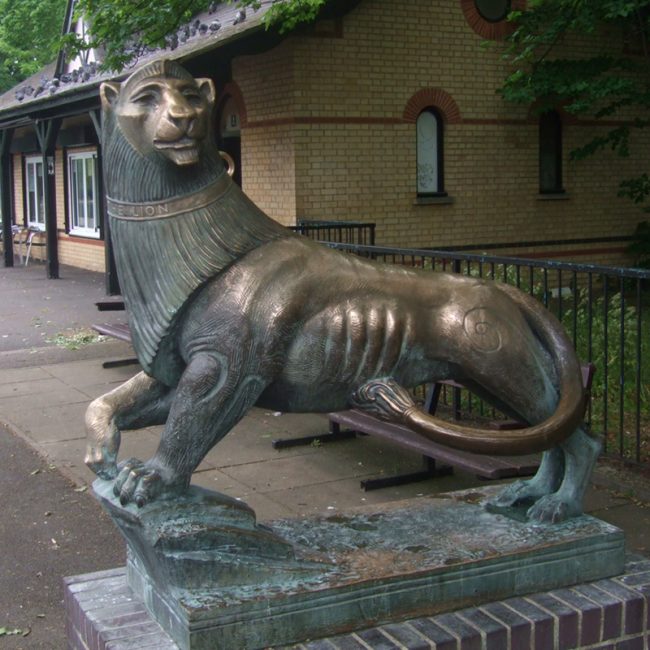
x=228 y=310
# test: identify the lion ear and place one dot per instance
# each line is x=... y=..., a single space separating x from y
x=109 y=91
x=206 y=86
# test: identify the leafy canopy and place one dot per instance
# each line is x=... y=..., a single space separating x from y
x=611 y=84
x=123 y=27
x=29 y=37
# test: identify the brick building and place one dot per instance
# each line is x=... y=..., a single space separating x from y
x=382 y=111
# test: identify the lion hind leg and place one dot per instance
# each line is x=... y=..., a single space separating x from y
x=580 y=454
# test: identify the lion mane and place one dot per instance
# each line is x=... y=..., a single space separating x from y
x=172 y=229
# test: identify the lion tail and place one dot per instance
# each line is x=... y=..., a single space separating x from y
x=388 y=400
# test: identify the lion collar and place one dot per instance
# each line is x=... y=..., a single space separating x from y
x=171 y=208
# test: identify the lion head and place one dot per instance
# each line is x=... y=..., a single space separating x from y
x=157 y=134
x=162 y=111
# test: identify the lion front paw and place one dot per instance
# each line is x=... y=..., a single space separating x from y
x=140 y=482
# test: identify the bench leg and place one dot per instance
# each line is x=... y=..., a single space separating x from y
x=118 y=363
x=334 y=435
x=430 y=470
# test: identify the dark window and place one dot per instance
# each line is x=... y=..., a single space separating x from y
x=550 y=153
x=429 y=128
x=493 y=11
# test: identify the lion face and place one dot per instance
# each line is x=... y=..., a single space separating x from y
x=162 y=114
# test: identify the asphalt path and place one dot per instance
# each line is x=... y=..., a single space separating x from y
x=48 y=529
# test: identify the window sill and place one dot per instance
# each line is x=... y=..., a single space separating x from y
x=554 y=196
x=434 y=200
x=83 y=235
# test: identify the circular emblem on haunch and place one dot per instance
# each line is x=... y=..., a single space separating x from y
x=484 y=329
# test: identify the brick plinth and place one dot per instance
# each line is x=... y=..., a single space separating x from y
x=103 y=614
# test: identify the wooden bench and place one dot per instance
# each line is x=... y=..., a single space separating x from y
x=483 y=466
x=118 y=331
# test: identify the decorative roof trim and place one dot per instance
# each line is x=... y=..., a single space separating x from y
x=490 y=31
x=436 y=98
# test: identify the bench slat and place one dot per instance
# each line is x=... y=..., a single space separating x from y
x=119 y=331
x=493 y=467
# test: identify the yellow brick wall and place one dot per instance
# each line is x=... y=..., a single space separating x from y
x=19 y=200
x=83 y=253
x=337 y=105
x=268 y=170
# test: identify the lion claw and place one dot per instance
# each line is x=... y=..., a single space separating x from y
x=137 y=482
x=514 y=494
x=552 y=509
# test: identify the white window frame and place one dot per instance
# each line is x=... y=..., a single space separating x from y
x=35 y=212
x=429 y=153
x=86 y=212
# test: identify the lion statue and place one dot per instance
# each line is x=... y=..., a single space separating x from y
x=228 y=310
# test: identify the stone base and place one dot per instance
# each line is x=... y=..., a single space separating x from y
x=102 y=613
x=216 y=584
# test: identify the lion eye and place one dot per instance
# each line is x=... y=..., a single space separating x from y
x=193 y=97
x=146 y=99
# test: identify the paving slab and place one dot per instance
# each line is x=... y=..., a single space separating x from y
x=32 y=389
x=11 y=376
x=89 y=372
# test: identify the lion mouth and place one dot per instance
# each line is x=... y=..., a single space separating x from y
x=179 y=145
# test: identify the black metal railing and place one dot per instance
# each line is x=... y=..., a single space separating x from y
x=346 y=232
x=605 y=310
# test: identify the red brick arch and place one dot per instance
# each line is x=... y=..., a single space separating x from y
x=231 y=89
x=486 y=29
x=432 y=98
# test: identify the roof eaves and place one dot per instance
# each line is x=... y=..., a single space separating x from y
x=45 y=92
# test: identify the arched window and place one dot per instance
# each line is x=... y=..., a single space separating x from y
x=493 y=11
x=429 y=129
x=550 y=153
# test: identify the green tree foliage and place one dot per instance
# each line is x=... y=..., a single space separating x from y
x=611 y=84
x=123 y=27
x=29 y=37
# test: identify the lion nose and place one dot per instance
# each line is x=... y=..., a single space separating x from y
x=179 y=110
